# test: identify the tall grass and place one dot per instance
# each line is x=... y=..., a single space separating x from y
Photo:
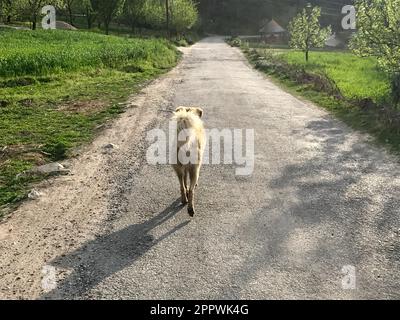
x=47 y=52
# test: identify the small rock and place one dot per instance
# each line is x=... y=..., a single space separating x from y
x=49 y=169
x=110 y=146
x=34 y=195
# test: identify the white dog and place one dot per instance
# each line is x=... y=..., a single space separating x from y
x=190 y=126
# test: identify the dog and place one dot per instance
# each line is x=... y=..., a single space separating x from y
x=190 y=144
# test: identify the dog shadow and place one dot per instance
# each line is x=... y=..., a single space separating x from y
x=106 y=255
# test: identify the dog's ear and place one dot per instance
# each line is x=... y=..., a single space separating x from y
x=179 y=109
x=199 y=112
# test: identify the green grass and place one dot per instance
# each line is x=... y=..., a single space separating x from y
x=357 y=78
x=47 y=52
x=58 y=87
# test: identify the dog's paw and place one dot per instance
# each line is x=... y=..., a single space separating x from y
x=191 y=212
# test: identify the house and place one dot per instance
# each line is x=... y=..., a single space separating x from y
x=273 y=32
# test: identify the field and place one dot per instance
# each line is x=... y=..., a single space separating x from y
x=57 y=87
x=48 y=52
x=357 y=78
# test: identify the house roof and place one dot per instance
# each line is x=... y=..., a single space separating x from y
x=272 y=27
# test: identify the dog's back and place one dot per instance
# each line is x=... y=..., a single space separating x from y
x=190 y=126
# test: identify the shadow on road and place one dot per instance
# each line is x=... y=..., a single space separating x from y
x=343 y=209
x=108 y=254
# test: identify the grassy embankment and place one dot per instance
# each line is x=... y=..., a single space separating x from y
x=57 y=88
x=355 y=89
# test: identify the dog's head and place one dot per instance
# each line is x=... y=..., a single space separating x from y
x=197 y=111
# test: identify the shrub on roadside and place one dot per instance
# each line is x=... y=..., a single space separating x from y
x=396 y=88
x=235 y=42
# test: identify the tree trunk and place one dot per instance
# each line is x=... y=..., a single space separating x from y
x=88 y=18
x=34 y=18
x=167 y=15
x=70 y=16
x=307 y=55
x=107 y=27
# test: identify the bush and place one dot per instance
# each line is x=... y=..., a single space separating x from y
x=396 y=88
x=181 y=42
x=235 y=42
x=378 y=35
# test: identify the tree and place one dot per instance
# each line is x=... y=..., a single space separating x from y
x=10 y=9
x=378 y=35
x=152 y=13
x=180 y=15
x=7 y=10
x=68 y=5
x=184 y=15
x=134 y=13
x=306 y=32
x=90 y=13
x=34 y=8
x=107 y=10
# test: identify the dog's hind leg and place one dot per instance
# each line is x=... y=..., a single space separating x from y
x=186 y=180
x=180 y=171
x=194 y=177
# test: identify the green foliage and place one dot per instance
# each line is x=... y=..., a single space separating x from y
x=133 y=13
x=357 y=78
x=9 y=9
x=378 y=32
x=378 y=35
x=184 y=15
x=107 y=10
x=396 y=88
x=235 y=42
x=306 y=32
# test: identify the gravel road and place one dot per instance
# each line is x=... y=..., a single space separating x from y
x=321 y=198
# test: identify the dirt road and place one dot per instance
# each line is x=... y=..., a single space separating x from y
x=321 y=198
